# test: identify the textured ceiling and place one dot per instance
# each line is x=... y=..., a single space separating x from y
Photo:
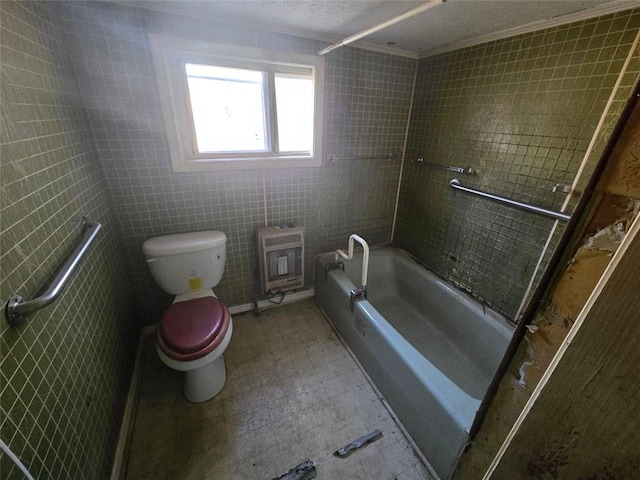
x=445 y=24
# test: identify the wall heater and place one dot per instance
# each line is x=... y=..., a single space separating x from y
x=281 y=258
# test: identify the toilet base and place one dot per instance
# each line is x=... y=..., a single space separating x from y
x=204 y=377
x=204 y=383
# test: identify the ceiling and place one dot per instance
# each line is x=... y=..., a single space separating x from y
x=446 y=26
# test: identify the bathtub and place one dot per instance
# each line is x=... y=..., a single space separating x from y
x=431 y=350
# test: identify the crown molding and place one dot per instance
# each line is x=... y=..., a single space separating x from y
x=585 y=14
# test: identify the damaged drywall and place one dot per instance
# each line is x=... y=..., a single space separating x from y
x=582 y=423
x=571 y=293
x=616 y=203
x=542 y=340
x=585 y=268
x=622 y=173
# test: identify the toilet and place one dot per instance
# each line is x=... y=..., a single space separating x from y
x=196 y=329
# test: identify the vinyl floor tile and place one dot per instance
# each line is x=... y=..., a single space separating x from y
x=293 y=393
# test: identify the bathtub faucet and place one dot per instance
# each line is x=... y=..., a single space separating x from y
x=362 y=291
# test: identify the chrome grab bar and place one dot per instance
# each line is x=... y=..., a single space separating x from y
x=455 y=183
x=17 y=307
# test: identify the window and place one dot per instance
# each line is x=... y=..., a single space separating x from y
x=234 y=107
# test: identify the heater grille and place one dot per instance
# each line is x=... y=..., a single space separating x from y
x=281 y=254
x=283 y=240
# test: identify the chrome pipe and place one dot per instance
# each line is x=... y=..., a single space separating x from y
x=17 y=307
x=455 y=183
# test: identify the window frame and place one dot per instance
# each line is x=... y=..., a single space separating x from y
x=171 y=54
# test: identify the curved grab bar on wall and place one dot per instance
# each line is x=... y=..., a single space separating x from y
x=17 y=307
x=455 y=183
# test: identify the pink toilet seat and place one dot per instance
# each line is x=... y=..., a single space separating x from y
x=191 y=329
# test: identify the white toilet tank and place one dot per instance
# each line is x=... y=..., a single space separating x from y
x=186 y=262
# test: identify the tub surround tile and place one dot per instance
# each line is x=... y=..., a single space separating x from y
x=283 y=403
x=522 y=111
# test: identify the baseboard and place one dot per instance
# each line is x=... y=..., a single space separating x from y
x=247 y=307
x=119 y=467
x=262 y=304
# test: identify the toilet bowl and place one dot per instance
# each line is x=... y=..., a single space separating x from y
x=191 y=338
x=196 y=329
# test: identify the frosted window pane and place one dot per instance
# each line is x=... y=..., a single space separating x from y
x=294 y=104
x=228 y=108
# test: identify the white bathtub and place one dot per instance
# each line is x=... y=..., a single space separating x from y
x=431 y=350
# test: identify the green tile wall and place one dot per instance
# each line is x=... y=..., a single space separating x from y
x=82 y=135
x=521 y=110
x=64 y=374
x=367 y=103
